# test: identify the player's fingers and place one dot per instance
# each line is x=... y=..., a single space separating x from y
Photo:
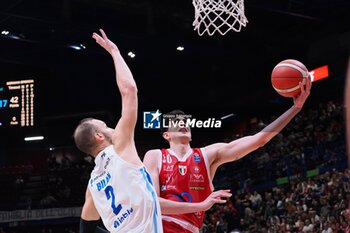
x=103 y=34
x=309 y=84
x=220 y=201
x=97 y=37
x=302 y=87
x=223 y=190
x=222 y=194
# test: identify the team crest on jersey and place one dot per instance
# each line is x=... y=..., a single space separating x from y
x=183 y=169
x=197 y=158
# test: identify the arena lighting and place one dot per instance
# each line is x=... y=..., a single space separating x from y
x=319 y=73
x=11 y=35
x=180 y=48
x=34 y=138
x=131 y=54
x=77 y=46
x=227 y=116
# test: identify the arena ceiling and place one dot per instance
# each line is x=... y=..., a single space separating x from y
x=213 y=75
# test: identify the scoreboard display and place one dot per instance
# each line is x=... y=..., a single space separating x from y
x=17 y=103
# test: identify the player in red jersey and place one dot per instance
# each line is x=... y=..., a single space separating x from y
x=183 y=176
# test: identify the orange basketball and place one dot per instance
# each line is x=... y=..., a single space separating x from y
x=286 y=77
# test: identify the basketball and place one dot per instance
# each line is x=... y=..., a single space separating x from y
x=286 y=77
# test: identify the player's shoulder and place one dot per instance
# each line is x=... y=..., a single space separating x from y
x=153 y=152
x=197 y=148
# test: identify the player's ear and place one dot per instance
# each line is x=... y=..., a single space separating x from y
x=99 y=137
x=166 y=135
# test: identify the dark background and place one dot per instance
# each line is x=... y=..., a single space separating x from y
x=212 y=77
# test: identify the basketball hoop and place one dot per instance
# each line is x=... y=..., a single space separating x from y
x=218 y=15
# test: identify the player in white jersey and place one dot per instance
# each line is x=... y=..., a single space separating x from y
x=120 y=190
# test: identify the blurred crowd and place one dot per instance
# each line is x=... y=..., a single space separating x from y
x=313 y=204
x=315 y=138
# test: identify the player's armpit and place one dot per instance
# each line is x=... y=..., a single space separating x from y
x=150 y=161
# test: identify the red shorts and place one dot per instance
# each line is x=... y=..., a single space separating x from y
x=171 y=227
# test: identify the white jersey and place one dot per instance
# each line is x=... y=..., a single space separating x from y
x=123 y=195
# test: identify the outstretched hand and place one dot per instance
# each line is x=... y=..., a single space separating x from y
x=104 y=42
x=216 y=197
x=305 y=92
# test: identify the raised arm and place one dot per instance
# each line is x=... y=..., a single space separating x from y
x=173 y=207
x=124 y=131
x=220 y=153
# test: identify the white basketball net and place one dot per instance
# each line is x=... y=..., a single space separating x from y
x=218 y=15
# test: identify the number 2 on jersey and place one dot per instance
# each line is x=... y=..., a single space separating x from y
x=110 y=194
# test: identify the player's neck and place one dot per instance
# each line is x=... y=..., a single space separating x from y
x=100 y=148
x=180 y=149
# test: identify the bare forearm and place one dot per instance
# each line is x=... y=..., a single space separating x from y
x=174 y=207
x=277 y=125
x=124 y=77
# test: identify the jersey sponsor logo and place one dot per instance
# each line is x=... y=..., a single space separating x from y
x=168 y=168
x=197 y=178
x=195 y=169
x=197 y=158
x=183 y=197
x=197 y=188
x=123 y=217
x=171 y=187
x=182 y=169
x=107 y=162
x=165 y=187
x=98 y=176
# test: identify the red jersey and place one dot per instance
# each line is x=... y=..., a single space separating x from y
x=187 y=179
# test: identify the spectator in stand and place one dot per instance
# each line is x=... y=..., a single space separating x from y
x=48 y=201
x=52 y=163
